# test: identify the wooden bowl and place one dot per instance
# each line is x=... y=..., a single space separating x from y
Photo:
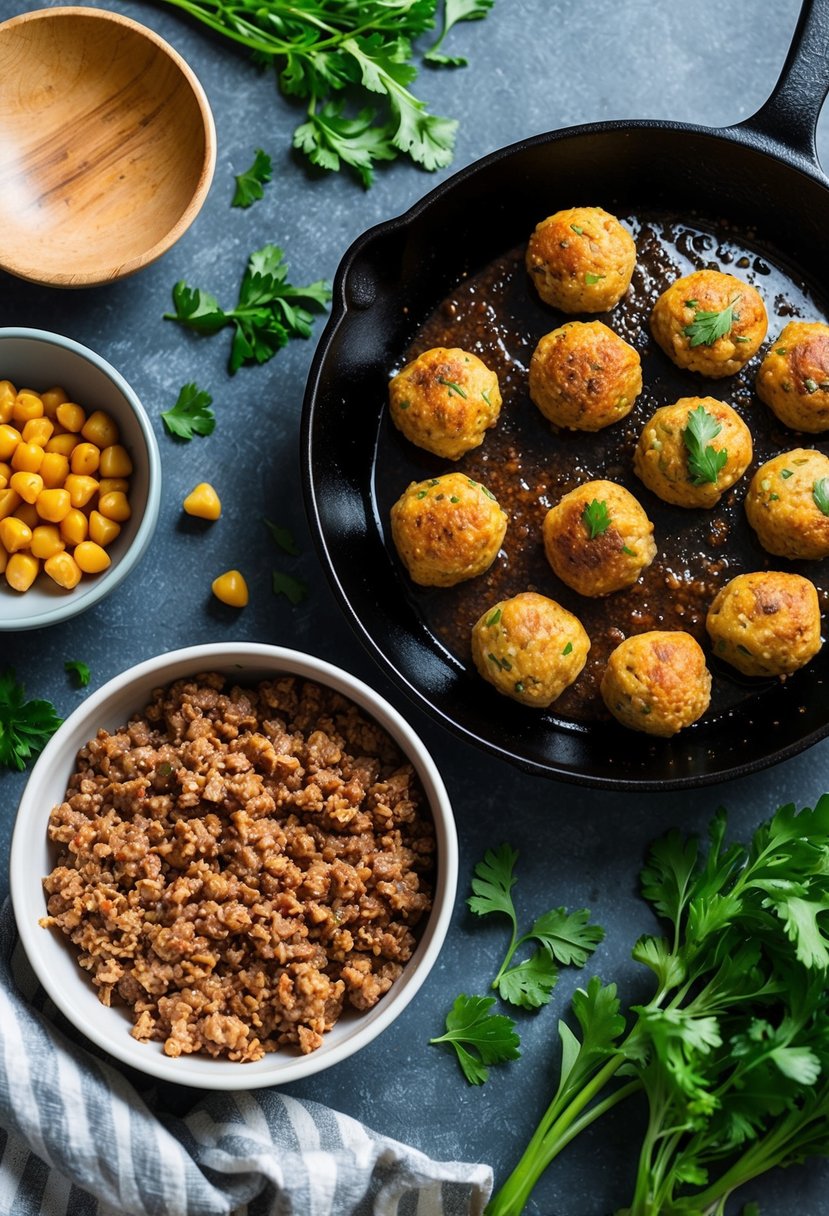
x=107 y=146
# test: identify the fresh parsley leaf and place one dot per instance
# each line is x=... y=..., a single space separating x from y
x=479 y=1038
x=529 y=984
x=453 y=12
x=250 y=184
x=294 y=589
x=596 y=518
x=81 y=672
x=25 y=726
x=268 y=313
x=493 y=881
x=705 y=462
x=283 y=537
x=708 y=327
x=191 y=415
x=330 y=138
x=820 y=494
x=569 y=936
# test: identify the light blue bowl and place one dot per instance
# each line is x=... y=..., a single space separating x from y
x=33 y=358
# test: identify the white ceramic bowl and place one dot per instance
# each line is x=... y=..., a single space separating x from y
x=33 y=358
x=32 y=857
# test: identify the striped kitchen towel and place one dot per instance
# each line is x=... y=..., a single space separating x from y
x=77 y=1138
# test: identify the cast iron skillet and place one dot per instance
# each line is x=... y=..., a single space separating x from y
x=761 y=176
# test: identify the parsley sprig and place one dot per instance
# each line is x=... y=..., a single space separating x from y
x=705 y=462
x=250 y=185
x=453 y=12
x=191 y=415
x=820 y=494
x=596 y=518
x=479 y=1038
x=707 y=327
x=25 y=726
x=269 y=312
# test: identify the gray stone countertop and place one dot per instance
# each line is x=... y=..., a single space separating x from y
x=535 y=65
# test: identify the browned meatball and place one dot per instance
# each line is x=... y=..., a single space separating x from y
x=444 y=401
x=581 y=259
x=793 y=379
x=447 y=529
x=529 y=648
x=710 y=322
x=691 y=452
x=657 y=682
x=598 y=538
x=787 y=504
x=584 y=377
x=766 y=623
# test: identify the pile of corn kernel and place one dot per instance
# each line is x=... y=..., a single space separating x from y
x=64 y=487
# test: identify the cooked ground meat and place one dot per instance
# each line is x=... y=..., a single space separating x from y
x=239 y=864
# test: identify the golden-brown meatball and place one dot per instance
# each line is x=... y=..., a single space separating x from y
x=710 y=322
x=691 y=452
x=598 y=538
x=529 y=648
x=787 y=504
x=793 y=379
x=444 y=401
x=766 y=623
x=447 y=529
x=581 y=259
x=584 y=376
x=657 y=682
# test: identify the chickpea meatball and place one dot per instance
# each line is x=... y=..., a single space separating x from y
x=529 y=648
x=584 y=377
x=793 y=379
x=598 y=539
x=766 y=623
x=581 y=259
x=447 y=529
x=445 y=401
x=787 y=504
x=684 y=324
x=657 y=682
x=691 y=452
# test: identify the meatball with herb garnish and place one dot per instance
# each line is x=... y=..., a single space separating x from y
x=447 y=529
x=766 y=623
x=581 y=259
x=584 y=377
x=793 y=379
x=444 y=401
x=657 y=682
x=710 y=322
x=598 y=539
x=691 y=452
x=529 y=648
x=787 y=505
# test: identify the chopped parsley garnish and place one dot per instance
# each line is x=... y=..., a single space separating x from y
x=282 y=537
x=590 y=279
x=596 y=518
x=786 y=474
x=820 y=493
x=707 y=327
x=704 y=460
x=486 y=398
x=568 y=649
x=810 y=385
x=81 y=672
x=249 y=185
x=294 y=589
x=493 y=618
x=627 y=549
x=577 y=229
x=453 y=387
x=191 y=415
x=25 y=726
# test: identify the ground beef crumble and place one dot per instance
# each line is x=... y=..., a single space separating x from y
x=237 y=865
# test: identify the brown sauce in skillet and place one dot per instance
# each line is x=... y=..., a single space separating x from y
x=528 y=464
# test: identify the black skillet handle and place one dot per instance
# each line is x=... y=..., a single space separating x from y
x=790 y=115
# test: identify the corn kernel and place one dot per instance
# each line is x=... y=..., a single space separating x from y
x=4 y=557
x=107 y=484
x=115 y=505
x=91 y=558
x=63 y=568
x=74 y=527
x=26 y=405
x=27 y=457
x=52 y=398
x=27 y=512
x=81 y=488
x=27 y=485
x=85 y=459
x=231 y=589
x=14 y=534
x=203 y=502
x=53 y=505
x=7 y=395
x=9 y=439
x=70 y=415
x=102 y=530
x=38 y=430
x=9 y=502
x=46 y=541
x=4 y=481
x=115 y=461
x=54 y=469
x=63 y=442
x=21 y=571
x=5 y=469
x=100 y=429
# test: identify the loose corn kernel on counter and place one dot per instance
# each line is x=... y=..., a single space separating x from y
x=64 y=487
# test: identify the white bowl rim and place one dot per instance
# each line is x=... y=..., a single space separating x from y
x=109 y=580
x=222 y=1074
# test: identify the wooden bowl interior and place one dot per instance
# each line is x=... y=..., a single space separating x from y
x=106 y=146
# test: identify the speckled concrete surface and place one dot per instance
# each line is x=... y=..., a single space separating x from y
x=534 y=65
